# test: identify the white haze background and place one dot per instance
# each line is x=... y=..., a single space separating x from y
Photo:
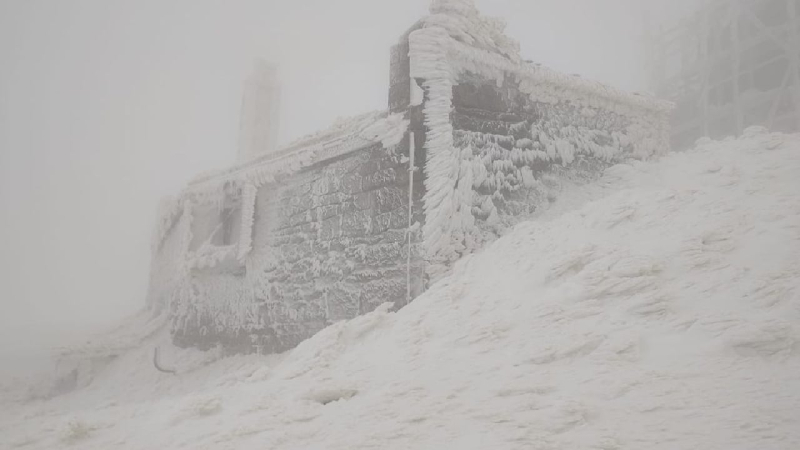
x=108 y=105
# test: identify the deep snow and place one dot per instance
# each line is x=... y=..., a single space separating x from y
x=656 y=309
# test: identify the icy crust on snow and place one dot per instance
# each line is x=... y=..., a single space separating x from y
x=625 y=125
x=656 y=309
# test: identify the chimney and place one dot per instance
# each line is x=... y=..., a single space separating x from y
x=260 y=116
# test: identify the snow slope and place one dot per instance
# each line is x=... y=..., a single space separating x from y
x=658 y=309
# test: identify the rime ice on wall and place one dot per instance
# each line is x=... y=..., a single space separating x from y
x=500 y=131
x=274 y=250
x=331 y=244
x=265 y=254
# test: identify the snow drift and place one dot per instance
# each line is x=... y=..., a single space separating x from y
x=658 y=309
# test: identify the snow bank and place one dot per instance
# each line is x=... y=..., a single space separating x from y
x=657 y=309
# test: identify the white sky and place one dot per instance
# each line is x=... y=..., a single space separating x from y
x=108 y=105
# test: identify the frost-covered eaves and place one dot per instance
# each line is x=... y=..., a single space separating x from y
x=571 y=87
x=345 y=136
x=478 y=43
x=456 y=40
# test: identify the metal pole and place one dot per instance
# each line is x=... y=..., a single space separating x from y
x=795 y=63
x=706 y=35
x=737 y=71
x=411 y=169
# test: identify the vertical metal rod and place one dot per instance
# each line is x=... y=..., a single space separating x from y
x=706 y=35
x=737 y=71
x=411 y=169
x=327 y=308
x=795 y=63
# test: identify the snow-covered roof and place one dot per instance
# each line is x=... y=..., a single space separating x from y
x=479 y=43
x=344 y=136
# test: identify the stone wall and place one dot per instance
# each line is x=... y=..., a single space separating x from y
x=325 y=226
x=328 y=243
x=521 y=152
x=502 y=134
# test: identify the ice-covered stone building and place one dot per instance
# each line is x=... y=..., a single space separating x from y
x=264 y=254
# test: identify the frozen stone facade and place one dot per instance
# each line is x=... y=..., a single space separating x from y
x=263 y=255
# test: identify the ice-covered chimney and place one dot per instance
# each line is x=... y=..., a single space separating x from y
x=260 y=116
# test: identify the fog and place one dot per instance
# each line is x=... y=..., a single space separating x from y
x=106 y=106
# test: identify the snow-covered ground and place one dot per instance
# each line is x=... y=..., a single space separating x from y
x=657 y=309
